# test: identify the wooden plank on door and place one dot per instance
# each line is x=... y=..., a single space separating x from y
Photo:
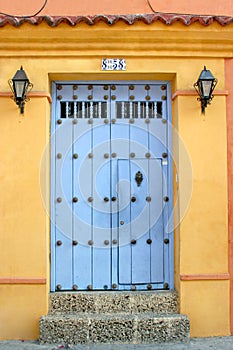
x=114 y=221
x=63 y=194
x=158 y=121
x=82 y=190
x=101 y=189
x=125 y=248
x=155 y=178
x=119 y=150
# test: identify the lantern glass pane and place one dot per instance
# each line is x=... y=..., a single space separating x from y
x=20 y=88
x=206 y=87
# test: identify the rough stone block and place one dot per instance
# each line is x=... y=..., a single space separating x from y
x=165 y=302
x=112 y=329
x=113 y=302
x=162 y=329
x=162 y=302
x=72 y=303
x=180 y=328
x=64 y=330
x=115 y=329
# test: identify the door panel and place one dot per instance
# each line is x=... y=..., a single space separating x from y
x=140 y=223
x=111 y=173
x=141 y=236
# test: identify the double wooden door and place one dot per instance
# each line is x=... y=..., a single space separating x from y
x=110 y=187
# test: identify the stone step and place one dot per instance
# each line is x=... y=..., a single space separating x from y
x=160 y=302
x=113 y=328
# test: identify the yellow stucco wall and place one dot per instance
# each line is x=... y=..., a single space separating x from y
x=21 y=309
x=203 y=232
x=206 y=303
x=176 y=53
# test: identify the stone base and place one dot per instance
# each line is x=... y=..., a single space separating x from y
x=114 y=317
x=118 y=328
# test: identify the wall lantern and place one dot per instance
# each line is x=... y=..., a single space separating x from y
x=205 y=86
x=20 y=86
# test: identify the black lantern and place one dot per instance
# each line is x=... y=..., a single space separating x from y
x=205 y=86
x=20 y=86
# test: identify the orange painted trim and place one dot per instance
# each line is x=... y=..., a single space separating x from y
x=229 y=114
x=194 y=93
x=206 y=277
x=22 y=280
x=40 y=94
x=30 y=95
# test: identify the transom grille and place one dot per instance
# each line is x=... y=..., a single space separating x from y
x=120 y=101
x=124 y=109
x=71 y=109
x=139 y=109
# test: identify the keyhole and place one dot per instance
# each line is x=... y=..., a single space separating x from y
x=139 y=178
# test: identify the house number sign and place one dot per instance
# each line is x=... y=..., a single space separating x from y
x=113 y=64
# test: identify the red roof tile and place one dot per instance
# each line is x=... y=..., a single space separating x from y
x=165 y=18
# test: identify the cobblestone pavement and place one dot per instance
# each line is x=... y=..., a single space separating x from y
x=215 y=343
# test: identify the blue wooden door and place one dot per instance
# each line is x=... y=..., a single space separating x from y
x=111 y=192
